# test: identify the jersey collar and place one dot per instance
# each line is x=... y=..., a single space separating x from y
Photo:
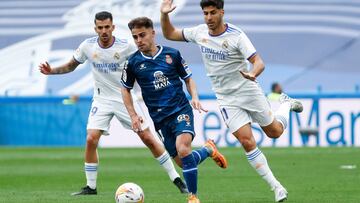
x=227 y=26
x=156 y=55
x=113 y=42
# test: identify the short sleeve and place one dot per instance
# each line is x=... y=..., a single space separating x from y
x=189 y=34
x=245 y=46
x=79 y=54
x=127 y=77
x=182 y=67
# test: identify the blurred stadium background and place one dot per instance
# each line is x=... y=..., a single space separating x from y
x=310 y=47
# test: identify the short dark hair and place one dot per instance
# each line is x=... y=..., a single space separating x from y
x=219 y=4
x=103 y=15
x=274 y=85
x=140 y=22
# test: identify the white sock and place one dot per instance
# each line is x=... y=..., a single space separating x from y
x=258 y=161
x=91 y=174
x=282 y=114
x=167 y=164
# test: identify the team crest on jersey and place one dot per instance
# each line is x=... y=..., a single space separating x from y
x=117 y=56
x=161 y=81
x=184 y=117
x=168 y=59
x=225 y=44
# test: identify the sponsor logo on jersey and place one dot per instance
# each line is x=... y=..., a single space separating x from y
x=168 y=59
x=106 y=67
x=214 y=55
x=161 y=81
x=184 y=117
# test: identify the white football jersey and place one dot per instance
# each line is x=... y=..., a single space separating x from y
x=107 y=65
x=224 y=56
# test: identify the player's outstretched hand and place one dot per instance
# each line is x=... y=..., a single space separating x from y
x=45 y=68
x=167 y=6
x=195 y=103
x=136 y=122
x=248 y=76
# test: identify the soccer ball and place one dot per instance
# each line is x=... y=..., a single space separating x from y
x=129 y=193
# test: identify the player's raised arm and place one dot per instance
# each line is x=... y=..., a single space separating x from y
x=70 y=66
x=169 y=31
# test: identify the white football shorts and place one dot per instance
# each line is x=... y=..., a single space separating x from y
x=102 y=111
x=246 y=109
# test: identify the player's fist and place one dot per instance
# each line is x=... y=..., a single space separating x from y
x=45 y=68
x=167 y=6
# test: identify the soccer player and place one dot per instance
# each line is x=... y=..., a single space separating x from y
x=107 y=55
x=158 y=70
x=225 y=51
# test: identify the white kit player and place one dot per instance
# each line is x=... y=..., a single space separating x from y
x=107 y=55
x=225 y=51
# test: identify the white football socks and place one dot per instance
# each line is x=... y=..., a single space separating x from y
x=258 y=161
x=282 y=114
x=167 y=164
x=91 y=174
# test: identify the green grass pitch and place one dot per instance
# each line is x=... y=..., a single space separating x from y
x=49 y=175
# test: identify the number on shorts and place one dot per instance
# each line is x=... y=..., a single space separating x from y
x=93 y=110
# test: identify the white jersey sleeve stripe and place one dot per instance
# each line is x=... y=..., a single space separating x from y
x=128 y=87
x=187 y=76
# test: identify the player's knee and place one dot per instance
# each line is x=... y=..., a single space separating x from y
x=275 y=133
x=248 y=143
x=147 y=139
x=183 y=150
x=92 y=140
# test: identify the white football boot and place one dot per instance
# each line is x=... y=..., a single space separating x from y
x=280 y=193
x=296 y=105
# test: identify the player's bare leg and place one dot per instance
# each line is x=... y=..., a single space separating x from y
x=91 y=162
x=274 y=130
x=163 y=157
x=279 y=124
x=258 y=161
x=149 y=140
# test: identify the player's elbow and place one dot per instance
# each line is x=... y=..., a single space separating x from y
x=173 y=34
x=169 y=35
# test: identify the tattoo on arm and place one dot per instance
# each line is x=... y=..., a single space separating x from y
x=66 y=68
